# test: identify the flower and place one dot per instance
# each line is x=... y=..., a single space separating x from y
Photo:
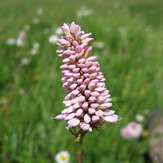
x=132 y=130
x=21 y=38
x=21 y=92
x=25 y=61
x=145 y=133
x=10 y=41
x=53 y=39
x=58 y=31
x=98 y=44
x=36 y=21
x=139 y=117
x=33 y=51
x=4 y=100
x=116 y=5
x=62 y=157
x=87 y=100
x=39 y=11
x=36 y=45
x=27 y=27
x=35 y=48
x=46 y=31
x=83 y=11
x=122 y=30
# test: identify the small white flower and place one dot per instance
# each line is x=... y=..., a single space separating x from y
x=10 y=41
x=83 y=11
x=53 y=39
x=25 y=61
x=19 y=42
x=62 y=157
x=36 y=45
x=116 y=4
x=98 y=44
x=46 y=31
x=39 y=11
x=36 y=21
x=34 y=51
x=58 y=31
x=122 y=29
x=27 y=27
x=139 y=117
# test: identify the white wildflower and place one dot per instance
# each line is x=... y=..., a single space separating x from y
x=33 y=51
x=116 y=4
x=139 y=117
x=19 y=42
x=83 y=11
x=122 y=29
x=36 y=21
x=36 y=45
x=10 y=41
x=27 y=27
x=62 y=157
x=53 y=39
x=58 y=31
x=46 y=31
x=25 y=61
x=98 y=44
x=39 y=11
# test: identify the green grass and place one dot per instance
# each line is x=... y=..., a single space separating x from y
x=131 y=61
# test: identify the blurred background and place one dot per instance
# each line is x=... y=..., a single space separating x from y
x=128 y=39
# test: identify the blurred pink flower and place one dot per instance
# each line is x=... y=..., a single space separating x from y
x=21 y=38
x=21 y=92
x=132 y=130
x=87 y=99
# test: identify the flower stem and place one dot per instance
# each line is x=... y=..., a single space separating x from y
x=79 y=140
x=79 y=151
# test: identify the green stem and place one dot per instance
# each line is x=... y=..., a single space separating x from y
x=79 y=140
x=79 y=151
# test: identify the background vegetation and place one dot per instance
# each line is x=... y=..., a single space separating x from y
x=131 y=61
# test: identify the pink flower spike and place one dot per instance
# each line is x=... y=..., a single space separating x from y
x=87 y=100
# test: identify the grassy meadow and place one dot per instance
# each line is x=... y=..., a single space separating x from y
x=131 y=36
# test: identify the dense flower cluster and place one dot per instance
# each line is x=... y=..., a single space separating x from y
x=87 y=99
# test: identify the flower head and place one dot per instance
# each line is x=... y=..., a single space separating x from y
x=53 y=39
x=21 y=92
x=132 y=130
x=10 y=41
x=21 y=38
x=62 y=157
x=87 y=100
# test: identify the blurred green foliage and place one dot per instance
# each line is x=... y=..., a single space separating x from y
x=131 y=61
